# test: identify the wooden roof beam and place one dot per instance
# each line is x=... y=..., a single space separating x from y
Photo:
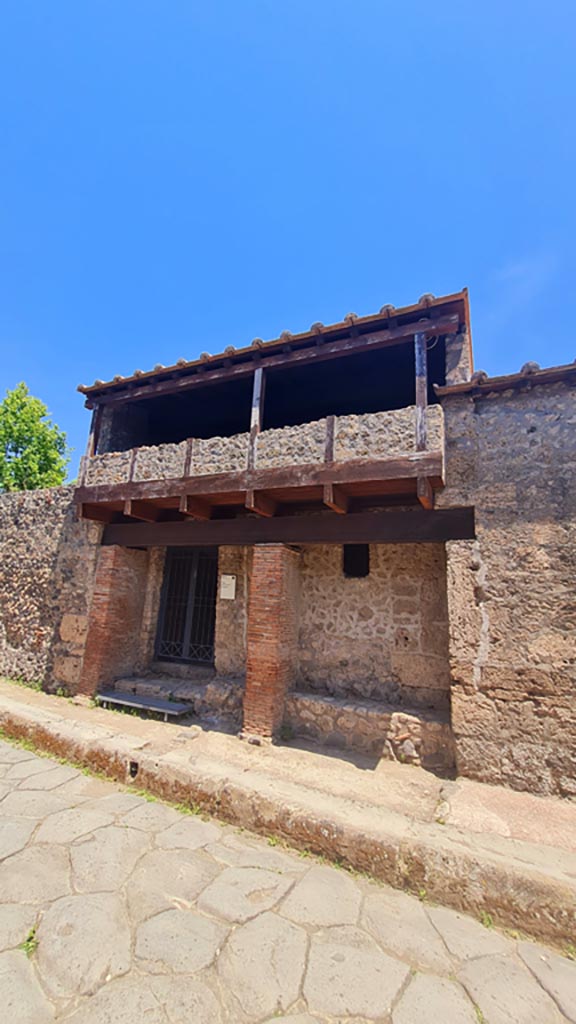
x=308 y=353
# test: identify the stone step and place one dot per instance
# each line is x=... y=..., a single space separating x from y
x=177 y=670
x=407 y=734
x=209 y=699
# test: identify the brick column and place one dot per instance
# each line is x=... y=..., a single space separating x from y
x=271 y=637
x=115 y=617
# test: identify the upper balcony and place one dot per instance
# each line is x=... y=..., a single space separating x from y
x=341 y=420
x=368 y=458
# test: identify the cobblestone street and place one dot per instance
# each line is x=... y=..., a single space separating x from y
x=116 y=909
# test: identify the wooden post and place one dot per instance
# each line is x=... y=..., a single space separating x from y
x=329 y=444
x=421 y=390
x=256 y=414
x=92 y=443
x=424 y=490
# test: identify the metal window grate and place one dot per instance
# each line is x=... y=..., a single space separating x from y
x=188 y=607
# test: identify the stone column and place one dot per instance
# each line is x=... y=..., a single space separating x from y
x=115 y=617
x=271 y=637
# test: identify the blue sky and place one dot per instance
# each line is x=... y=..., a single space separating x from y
x=181 y=176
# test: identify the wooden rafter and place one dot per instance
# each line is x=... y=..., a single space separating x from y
x=425 y=492
x=194 y=507
x=335 y=498
x=257 y=501
x=142 y=510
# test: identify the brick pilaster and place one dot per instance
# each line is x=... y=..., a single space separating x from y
x=115 y=617
x=271 y=637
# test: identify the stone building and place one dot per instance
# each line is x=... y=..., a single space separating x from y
x=345 y=534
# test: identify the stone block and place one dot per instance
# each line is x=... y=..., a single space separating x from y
x=73 y=628
x=67 y=669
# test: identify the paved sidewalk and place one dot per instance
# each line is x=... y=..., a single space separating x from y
x=146 y=915
x=477 y=848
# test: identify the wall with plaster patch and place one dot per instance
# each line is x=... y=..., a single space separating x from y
x=511 y=593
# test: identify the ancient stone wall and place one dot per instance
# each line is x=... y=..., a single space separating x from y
x=231 y=615
x=411 y=737
x=47 y=566
x=384 y=636
x=511 y=592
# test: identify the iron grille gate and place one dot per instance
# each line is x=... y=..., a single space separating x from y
x=188 y=605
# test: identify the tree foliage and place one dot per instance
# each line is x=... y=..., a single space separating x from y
x=33 y=451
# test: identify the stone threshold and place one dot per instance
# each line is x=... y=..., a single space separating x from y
x=523 y=885
x=405 y=734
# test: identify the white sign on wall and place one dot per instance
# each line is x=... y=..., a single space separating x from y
x=227 y=587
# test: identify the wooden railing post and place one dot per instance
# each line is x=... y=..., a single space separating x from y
x=424 y=491
x=421 y=390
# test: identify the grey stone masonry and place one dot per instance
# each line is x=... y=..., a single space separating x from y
x=412 y=737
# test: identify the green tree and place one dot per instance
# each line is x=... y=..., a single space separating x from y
x=33 y=451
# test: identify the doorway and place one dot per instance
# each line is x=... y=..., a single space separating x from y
x=187 y=617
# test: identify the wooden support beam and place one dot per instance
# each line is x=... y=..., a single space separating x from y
x=257 y=501
x=142 y=510
x=405 y=527
x=335 y=498
x=194 y=507
x=425 y=492
x=402 y=467
x=421 y=360
x=96 y=513
x=256 y=415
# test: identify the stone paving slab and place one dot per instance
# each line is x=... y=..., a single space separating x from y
x=138 y=914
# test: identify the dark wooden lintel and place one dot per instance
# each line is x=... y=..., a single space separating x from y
x=335 y=498
x=257 y=501
x=398 y=527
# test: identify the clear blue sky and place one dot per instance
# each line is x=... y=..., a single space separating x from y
x=181 y=176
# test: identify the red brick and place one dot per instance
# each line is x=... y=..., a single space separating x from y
x=272 y=637
x=115 y=617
